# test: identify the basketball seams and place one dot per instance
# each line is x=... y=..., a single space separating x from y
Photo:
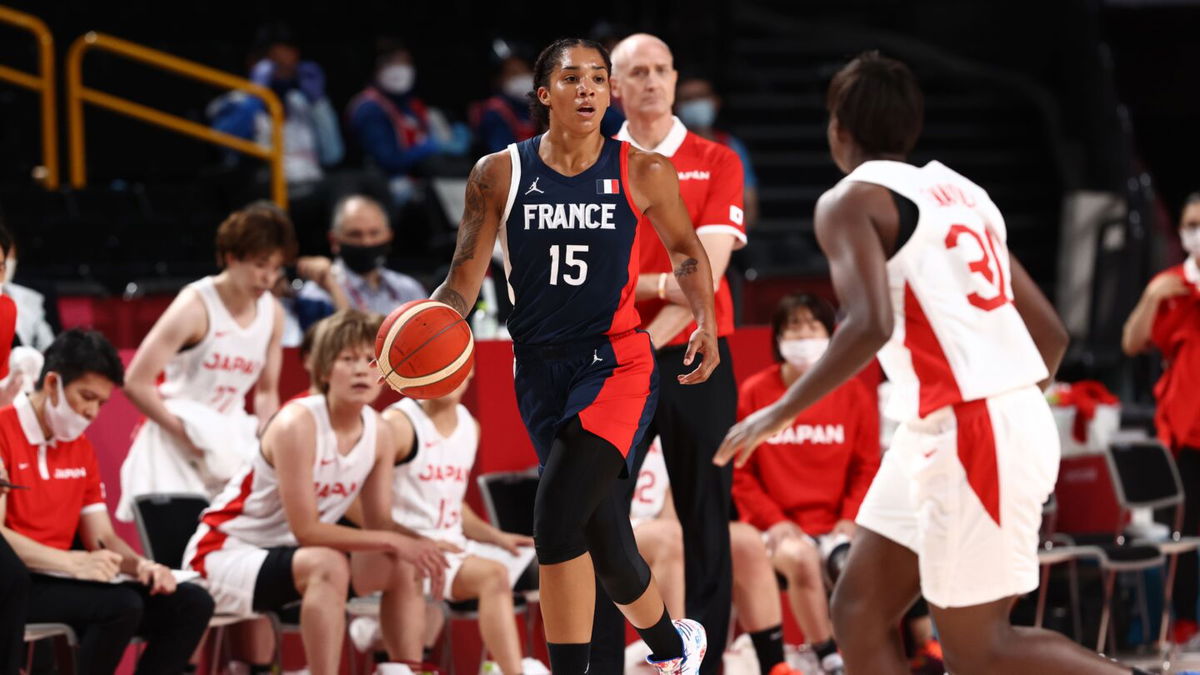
x=402 y=383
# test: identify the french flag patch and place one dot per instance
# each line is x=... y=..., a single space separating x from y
x=608 y=186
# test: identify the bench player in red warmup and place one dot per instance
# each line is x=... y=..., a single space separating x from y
x=918 y=258
x=565 y=206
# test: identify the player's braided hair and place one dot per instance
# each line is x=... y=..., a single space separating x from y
x=544 y=67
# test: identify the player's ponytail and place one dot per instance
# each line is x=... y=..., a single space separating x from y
x=543 y=68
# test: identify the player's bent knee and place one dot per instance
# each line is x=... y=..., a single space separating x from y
x=495 y=579
x=321 y=565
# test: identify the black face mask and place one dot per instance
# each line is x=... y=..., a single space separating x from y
x=363 y=259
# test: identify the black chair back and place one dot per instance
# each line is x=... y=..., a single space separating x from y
x=509 y=496
x=166 y=522
x=1144 y=475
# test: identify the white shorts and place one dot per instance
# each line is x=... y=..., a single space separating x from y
x=230 y=575
x=514 y=564
x=963 y=488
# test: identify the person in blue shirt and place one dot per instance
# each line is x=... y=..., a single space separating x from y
x=311 y=137
x=504 y=118
x=697 y=106
x=396 y=130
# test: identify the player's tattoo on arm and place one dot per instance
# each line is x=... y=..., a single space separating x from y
x=687 y=267
x=449 y=296
x=473 y=214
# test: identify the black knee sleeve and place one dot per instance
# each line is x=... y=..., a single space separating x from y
x=579 y=474
x=619 y=566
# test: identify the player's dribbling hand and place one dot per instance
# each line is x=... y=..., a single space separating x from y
x=747 y=435
x=704 y=343
x=99 y=565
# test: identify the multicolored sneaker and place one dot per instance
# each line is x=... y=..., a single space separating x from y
x=695 y=644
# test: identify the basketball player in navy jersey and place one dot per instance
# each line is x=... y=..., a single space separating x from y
x=565 y=206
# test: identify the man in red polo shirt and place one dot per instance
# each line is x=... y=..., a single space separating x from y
x=42 y=448
x=690 y=420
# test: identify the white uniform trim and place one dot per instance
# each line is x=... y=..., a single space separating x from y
x=513 y=184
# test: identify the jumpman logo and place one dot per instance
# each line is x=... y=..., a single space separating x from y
x=596 y=357
x=534 y=188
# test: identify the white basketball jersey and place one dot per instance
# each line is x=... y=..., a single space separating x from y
x=430 y=488
x=249 y=511
x=958 y=336
x=650 y=495
x=219 y=370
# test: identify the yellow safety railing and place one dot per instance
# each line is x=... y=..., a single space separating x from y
x=77 y=94
x=43 y=84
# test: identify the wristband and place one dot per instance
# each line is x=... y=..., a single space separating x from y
x=662 y=286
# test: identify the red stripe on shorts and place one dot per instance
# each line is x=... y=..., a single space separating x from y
x=214 y=539
x=977 y=454
x=617 y=410
x=936 y=384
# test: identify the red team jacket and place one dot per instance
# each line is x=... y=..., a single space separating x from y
x=1176 y=333
x=817 y=470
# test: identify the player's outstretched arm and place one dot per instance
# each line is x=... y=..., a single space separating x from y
x=487 y=193
x=848 y=220
x=1042 y=322
x=655 y=189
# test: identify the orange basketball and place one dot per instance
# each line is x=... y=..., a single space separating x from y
x=424 y=349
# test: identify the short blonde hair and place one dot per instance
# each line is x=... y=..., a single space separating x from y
x=342 y=330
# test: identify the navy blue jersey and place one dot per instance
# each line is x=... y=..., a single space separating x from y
x=570 y=247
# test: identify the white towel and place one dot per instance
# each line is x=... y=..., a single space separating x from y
x=158 y=463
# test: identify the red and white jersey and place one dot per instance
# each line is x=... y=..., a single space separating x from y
x=650 y=495
x=430 y=488
x=958 y=336
x=219 y=370
x=249 y=511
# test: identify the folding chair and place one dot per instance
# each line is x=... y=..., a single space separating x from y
x=65 y=647
x=1145 y=477
x=165 y=522
x=508 y=498
x=1056 y=549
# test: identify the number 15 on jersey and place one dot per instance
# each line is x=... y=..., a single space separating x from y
x=568 y=254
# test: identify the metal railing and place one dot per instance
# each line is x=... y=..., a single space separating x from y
x=42 y=83
x=77 y=94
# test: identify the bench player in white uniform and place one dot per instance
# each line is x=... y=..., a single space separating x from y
x=918 y=258
x=660 y=541
x=219 y=338
x=435 y=445
x=271 y=538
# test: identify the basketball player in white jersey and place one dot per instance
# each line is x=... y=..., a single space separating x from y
x=435 y=447
x=219 y=338
x=271 y=537
x=918 y=258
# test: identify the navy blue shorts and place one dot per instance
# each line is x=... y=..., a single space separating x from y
x=610 y=382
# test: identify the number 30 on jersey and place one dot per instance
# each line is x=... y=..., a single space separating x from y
x=568 y=254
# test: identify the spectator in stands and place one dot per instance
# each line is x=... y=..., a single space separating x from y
x=697 y=105
x=360 y=238
x=271 y=537
x=1168 y=318
x=10 y=382
x=804 y=492
x=219 y=338
x=435 y=445
x=311 y=136
x=14 y=598
x=397 y=131
x=317 y=270
x=33 y=330
x=505 y=118
x=660 y=541
x=43 y=447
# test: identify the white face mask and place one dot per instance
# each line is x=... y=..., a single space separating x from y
x=803 y=353
x=1190 y=236
x=398 y=78
x=65 y=424
x=517 y=87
